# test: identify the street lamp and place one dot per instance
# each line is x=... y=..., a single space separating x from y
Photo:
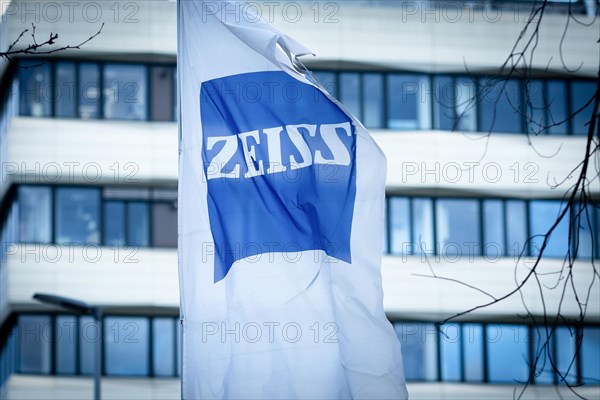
x=81 y=308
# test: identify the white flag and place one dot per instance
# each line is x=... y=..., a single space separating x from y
x=281 y=197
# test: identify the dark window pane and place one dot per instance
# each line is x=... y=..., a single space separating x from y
x=35 y=91
x=373 y=100
x=77 y=216
x=543 y=354
x=35 y=214
x=163 y=346
x=350 y=92
x=450 y=349
x=89 y=334
x=65 y=89
x=162 y=93
x=493 y=228
x=466 y=104
x=566 y=340
x=457 y=223
x=473 y=352
x=114 y=223
x=66 y=336
x=419 y=350
x=535 y=106
x=508 y=353
x=125 y=94
x=499 y=105
x=34 y=344
x=516 y=227
x=585 y=230
x=590 y=349
x=543 y=214
x=89 y=90
x=422 y=226
x=581 y=93
x=556 y=97
x=400 y=226
x=409 y=102
x=164 y=225
x=328 y=80
x=443 y=102
x=126 y=341
x=138 y=226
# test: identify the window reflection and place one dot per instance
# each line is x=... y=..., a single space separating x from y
x=466 y=104
x=89 y=90
x=422 y=226
x=500 y=105
x=419 y=350
x=582 y=93
x=77 y=216
x=409 y=102
x=126 y=346
x=457 y=223
x=450 y=351
x=400 y=226
x=556 y=114
x=65 y=90
x=543 y=214
x=373 y=100
x=443 y=102
x=508 y=353
x=124 y=91
x=590 y=348
x=493 y=229
x=350 y=92
x=138 y=224
x=114 y=223
x=35 y=224
x=35 y=89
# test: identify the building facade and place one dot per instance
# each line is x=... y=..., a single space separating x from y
x=478 y=168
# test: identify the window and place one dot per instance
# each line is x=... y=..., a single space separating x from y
x=89 y=90
x=422 y=226
x=409 y=102
x=77 y=216
x=126 y=343
x=473 y=352
x=35 y=89
x=114 y=223
x=535 y=106
x=419 y=350
x=443 y=102
x=508 y=353
x=65 y=90
x=400 y=226
x=450 y=352
x=34 y=344
x=566 y=339
x=466 y=104
x=328 y=80
x=89 y=334
x=590 y=348
x=164 y=225
x=582 y=93
x=457 y=225
x=162 y=93
x=163 y=346
x=350 y=92
x=500 y=105
x=35 y=214
x=373 y=100
x=556 y=112
x=138 y=224
x=585 y=230
x=493 y=229
x=516 y=228
x=543 y=214
x=543 y=354
x=66 y=336
x=125 y=91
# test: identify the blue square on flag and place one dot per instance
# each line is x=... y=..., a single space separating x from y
x=279 y=158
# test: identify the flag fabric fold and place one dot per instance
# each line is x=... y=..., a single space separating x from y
x=281 y=210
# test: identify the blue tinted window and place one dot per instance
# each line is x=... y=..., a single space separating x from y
x=543 y=354
x=581 y=93
x=535 y=107
x=34 y=344
x=77 y=216
x=89 y=90
x=556 y=114
x=35 y=93
x=419 y=350
x=422 y=226
x=508 y=353
x=163 y=346
x=450 y=351
x=542 y=215
x=499 y=105
x=457 y=223
x=473 y=352
x=466 y=104
x=35 y=214
x=373 y=100
x=114 y=223
x=65 y=90
x=328 y=80
x=493 y=228
x=590 y=351
x=409 y=102
x=350 y=92
x=126 y=346
x=125 y=94
x=66 y=338
x=566 y=344
x=585 y=230
x=89 y=334
x=400 y=225
x=138 y=224
x=443 y=102
x=516 y=227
